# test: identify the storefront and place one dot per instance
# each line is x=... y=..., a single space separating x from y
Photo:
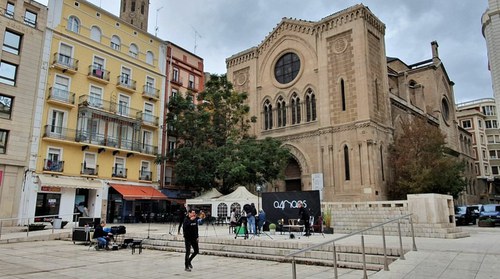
x=64 y=196
x=135 y=203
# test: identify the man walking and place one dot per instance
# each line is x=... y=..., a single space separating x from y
x=190 y=229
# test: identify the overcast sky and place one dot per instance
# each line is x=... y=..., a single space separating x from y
x=221 y=28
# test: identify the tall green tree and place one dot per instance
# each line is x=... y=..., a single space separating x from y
x=214 y=147
x=422 y=163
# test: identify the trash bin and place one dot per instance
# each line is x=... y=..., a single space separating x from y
x=57 y=222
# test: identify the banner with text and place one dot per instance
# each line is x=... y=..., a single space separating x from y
x=284 y=205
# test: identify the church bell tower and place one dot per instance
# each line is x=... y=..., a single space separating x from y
x=135 y=12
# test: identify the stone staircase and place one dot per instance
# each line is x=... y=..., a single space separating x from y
x=348 y=256
x=353 y=218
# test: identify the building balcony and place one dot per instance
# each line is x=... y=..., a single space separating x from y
x=110 y=107
x=89 y=170
x=149 y=149
x=148 y=119
x=125 y=83
x=62 y=97
x=53 y=165
x=98 y=74
x=150 y=93
x=65 y=63
x=145 y=175
x=119 y=172
x=177 y=81
x=192 y=86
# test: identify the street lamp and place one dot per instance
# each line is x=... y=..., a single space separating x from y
x=259 y=189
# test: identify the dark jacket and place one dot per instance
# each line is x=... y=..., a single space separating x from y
x=190 y=229
x=99 y=232
x=304 y=214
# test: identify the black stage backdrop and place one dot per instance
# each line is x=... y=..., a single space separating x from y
x=284 y=205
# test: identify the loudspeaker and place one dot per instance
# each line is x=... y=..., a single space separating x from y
x=292 y=236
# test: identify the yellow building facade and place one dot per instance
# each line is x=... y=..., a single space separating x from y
x=101 y=114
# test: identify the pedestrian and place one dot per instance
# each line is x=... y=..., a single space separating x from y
x=304 y=217
x=181 y=215
x=190 y=231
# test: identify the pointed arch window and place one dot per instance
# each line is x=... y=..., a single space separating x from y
x=268 y=115
x=346 y=163
x=310 y=106
x=295 y=108
x=382 y=162
x=342 y=93
x=281 y=107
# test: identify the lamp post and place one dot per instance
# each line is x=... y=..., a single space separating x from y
x=259 y=190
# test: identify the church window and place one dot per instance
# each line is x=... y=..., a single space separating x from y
x=310 y=106
x=281 y=105
x=287 y=68
x=133 y=6
x=295 y=109
x=142 y=8
x=342 y=94
x=268 y=115
x=346 y=163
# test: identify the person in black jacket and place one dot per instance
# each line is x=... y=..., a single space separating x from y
x=102 y=237
x=304 y=217
x=190 y=229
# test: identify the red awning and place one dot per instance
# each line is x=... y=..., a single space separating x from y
x=130 y=192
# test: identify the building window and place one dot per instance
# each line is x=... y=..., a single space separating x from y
x=445 y=108
x=489 y=110
x=56 y=123
x=145 y=172
x=493 y=154
x=119 y=169
x=147 y=142
x=4 y=137
x=6 y=106
x=287 y=68
x=95 y=96
x=132 y=8
x=9 y=11
x=268 y=115
x=172 y=143
x=342 y=94
x=175 y=74
x=281 y=107
x=30 y=18
x=310 y=106
x=115 y=42
x=142 y=8
x=133 y=50
x=123 y=105
x=479 y=123
x=12 y=42
x=191 y=83
x=491 y=139
x=61 y=89
x=95 y=34
x=74 y=24
x=148 y=115
x=466 y=124
x=8 y=73
x=150 y=58
x=124 y=5
x=494 y=170
x=295 y=104
x=347 y=170
x=490 y=124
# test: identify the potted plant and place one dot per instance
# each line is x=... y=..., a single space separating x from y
x=486 y=222
x=272 y=228
x=327 y=219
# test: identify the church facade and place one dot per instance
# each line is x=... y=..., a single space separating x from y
x=328 y=91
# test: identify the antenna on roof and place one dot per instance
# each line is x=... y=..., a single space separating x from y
x=156 y=25
x=196 y=35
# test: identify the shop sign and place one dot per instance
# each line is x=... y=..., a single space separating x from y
x=50 y=189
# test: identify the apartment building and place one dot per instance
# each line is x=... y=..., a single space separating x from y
x=101 y=109
x=480 y=118
x=22 y=27
x=185 y=73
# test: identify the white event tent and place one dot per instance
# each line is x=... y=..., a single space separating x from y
x=221 y=205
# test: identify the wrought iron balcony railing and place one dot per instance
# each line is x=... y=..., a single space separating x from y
x=53 y=165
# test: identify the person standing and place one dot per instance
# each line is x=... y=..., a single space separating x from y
x=190 y=231
x=304 y=216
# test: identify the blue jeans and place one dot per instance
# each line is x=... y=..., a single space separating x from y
x=103 y=242
x=251 y=224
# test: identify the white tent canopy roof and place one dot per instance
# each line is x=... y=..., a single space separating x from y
x=241 y=196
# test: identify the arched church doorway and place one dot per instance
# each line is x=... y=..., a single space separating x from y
x=292 y=176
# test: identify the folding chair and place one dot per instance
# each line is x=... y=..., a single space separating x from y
x=93 y=241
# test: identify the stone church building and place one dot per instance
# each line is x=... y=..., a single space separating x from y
x=330 y=93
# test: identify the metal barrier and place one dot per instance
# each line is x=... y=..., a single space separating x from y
x=34 y=218
x=360 y=232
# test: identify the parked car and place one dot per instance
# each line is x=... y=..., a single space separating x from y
x=465 y=215
x=490 y=211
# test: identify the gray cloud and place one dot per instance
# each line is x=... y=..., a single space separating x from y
x=230 y=26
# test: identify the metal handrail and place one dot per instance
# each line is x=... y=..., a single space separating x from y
x=386 y=266
x=34 y=217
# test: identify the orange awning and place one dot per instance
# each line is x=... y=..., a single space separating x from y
x=130 y=192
